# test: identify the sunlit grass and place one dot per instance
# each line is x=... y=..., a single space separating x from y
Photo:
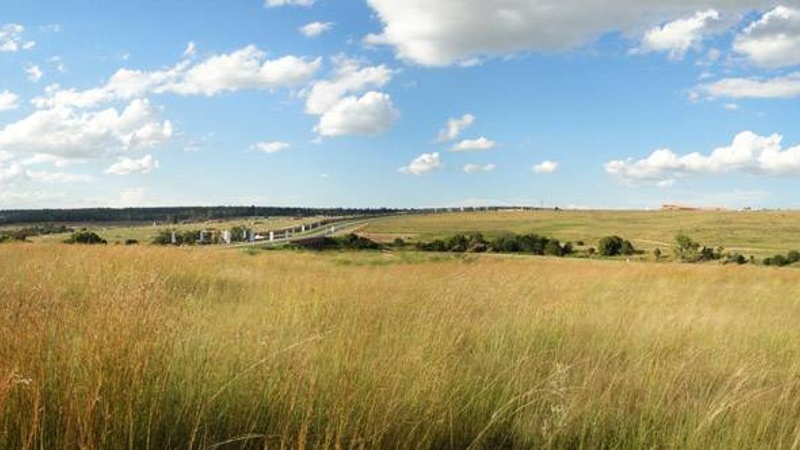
x=758 y=233
x=147 y=347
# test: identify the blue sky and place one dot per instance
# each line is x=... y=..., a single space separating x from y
x=369 y=103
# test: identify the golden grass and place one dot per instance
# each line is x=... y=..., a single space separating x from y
x=761 y=233
x=188 y=348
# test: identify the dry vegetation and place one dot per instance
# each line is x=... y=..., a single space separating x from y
x=122 y=347
x=759 y=233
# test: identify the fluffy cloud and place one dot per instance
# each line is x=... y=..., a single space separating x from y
x=127 y=166
x=545 y=167
x=780 y=87
x=34 y=73
x=350 y=78
x=679 y=36
x=315 y=29
x=369 y=115
x=276 y=3
x=773 y=41
x=455 y=127
x=474 y=144
x=11 y=39
x=424 y=163
x=67 y=133
x=8 y=100
x=246 y=68
x=340 y=109
x=447 y=32
x=749 y=153
x=270 y=147
x=477 y=168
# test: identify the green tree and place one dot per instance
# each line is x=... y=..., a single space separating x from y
x=610 y=246
x=553 y=248
x=685 y=248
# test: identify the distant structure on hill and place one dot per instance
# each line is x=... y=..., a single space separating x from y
x=675 y=207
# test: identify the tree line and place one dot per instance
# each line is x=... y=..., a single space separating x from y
x=177 y=214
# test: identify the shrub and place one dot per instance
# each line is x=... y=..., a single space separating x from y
x=780 y=260
x=553 y=248
x=506 y=243
x=85 y=237
x=793 y=256
x=457 y=243
x=399 y=243
x=610 y=246
x=131 y=242
x=627 y=248
x=353 y=241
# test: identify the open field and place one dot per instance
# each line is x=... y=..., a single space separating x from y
x=750 y=233
x=145 y=347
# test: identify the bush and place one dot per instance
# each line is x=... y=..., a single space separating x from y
x=793 y=256
x=85 y=237
x=399 y=243
x=553 y=248
x=353 y=241
x=685 y=248
x=506 y=243
x=131 y=242
x=610 y=246
x=778 y=260
x=627 y=248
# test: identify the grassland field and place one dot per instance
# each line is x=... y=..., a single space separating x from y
x=758 y=233
x=145 y=347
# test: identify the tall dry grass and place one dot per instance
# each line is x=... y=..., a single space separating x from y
x=190 y=348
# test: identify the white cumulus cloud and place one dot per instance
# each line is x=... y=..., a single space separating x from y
x=368 y=115
x=546 y=167
x=350 y=77
x=315 y=29
x=270 y=147
x=481 y=143
x=72 y=134
x=455 y=126
x=8 y=100
x=424 y=163
x=245 y=68
x=679 y=36
x=448 y=32
x=749 y=153
x=779 y=87
x=11 y=39
x=773 y=41
x=127 y=166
